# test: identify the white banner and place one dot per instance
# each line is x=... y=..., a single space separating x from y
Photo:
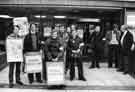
x=14 y=48
x=80 y=33
x=47 y=31
x=55 y=73
x=22 y=22
x=33 y=62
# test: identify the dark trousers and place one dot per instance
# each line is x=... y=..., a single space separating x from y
x=96 y=57
x=95 y=63
x=132 y=63
x=76 y=61
x=67 y=63
x=11 y=71
x=124 y=62
x=44 y=69
x=31 y=77
x=113 y=55
x=120 y=65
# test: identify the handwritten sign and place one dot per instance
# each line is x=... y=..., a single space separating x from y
x=55 y=73
x=22 y=22
x=33 y=62
x=14 y=49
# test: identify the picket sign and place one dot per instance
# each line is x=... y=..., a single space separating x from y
x=33 y=62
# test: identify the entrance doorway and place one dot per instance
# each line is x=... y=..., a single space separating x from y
x=61 y=18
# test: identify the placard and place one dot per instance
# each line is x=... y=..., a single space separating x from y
x=55 y=73
x=47 y=31
x=80 y=33
x=14 y=48
x=33 y=62
x=22 y=22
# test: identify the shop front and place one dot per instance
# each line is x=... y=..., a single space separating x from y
x=61 y=15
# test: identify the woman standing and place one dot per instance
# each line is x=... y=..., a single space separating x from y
x=74 y=46
x=31 y=43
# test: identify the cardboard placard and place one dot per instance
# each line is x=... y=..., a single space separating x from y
x=47 y=31
x=14 y=48
x=23 y=24
x=55 y=73
x=33 y=62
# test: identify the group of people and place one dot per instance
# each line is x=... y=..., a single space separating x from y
x=52 y=49
x=121 y=48
x=120 y=43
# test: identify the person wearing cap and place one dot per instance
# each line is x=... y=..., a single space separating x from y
x=12 y=65
x=32 y=44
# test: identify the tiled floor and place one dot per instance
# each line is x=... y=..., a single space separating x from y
x=97 y=79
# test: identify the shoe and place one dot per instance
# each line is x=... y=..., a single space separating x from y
x=109 y=66
x=119 y=70
x=71 y=79
x=39 y=81
x=98 y=66
x=30 y=82
x=19 y=82
x=125 y=73
x=11 y=85
x=91 y=67
x=83 y=79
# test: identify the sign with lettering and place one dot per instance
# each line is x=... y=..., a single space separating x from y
x=33 y=62
x=22 y=22
x=14 y=48
x=55 y=73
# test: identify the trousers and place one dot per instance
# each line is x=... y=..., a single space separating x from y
x=76 y=61
x=11 y=71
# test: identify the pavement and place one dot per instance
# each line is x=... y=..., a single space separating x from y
x=98 y=80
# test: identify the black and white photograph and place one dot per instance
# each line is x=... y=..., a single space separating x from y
x=67 y=45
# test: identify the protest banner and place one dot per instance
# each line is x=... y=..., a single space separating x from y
x=14 y=48
x=33 y=62
x=47 y=31
x=80 y=33
x=55 y=73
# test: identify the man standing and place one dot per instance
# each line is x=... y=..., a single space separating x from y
x=97 y=43
x=126 y=44
x=113 y=38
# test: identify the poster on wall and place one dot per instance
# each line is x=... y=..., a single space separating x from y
x=23 y=24
x=55 y=73
x=14 y=49
x=33 y=62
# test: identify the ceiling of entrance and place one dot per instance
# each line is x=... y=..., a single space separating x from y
x=69 y=11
